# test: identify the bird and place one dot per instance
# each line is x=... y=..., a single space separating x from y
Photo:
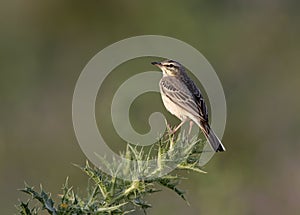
x=182 y=98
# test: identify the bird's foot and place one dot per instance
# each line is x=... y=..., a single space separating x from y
x=170 y=130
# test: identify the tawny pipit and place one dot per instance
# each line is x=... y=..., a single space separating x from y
x=183 y=99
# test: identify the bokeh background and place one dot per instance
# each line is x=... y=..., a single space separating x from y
x=253 y=45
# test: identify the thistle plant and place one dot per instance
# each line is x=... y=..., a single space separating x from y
x=110 y=194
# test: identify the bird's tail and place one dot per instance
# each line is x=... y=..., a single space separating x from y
x=211 y=137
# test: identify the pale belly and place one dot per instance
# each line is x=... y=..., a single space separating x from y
x=173 y=108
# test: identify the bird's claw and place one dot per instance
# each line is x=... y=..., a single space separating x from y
x=170 y=130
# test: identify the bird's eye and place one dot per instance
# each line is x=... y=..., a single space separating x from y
x=170 y=65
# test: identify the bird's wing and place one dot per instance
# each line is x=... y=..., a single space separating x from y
x=181 y=95
x=199 y=99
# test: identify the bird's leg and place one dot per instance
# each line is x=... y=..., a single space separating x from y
x=168 y=127
x=191 y=125
x=178 y=126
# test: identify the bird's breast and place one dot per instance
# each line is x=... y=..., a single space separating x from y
x=172 y=107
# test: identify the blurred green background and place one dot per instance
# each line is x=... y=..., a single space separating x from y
x=253 y=45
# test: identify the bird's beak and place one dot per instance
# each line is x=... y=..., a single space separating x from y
x=158 y=64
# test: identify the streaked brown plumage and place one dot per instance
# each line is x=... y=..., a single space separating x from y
x=183 y=99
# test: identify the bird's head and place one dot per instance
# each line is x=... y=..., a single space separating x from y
x=170 y=67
